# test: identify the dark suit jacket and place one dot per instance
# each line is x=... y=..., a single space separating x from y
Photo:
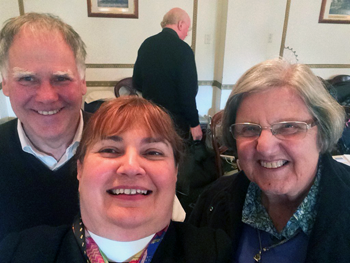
x=182 y=243
x=30 y=193
x=221 y=207
x=165 y=72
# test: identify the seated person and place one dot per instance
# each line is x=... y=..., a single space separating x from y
x=290 y=201
x=127 y=167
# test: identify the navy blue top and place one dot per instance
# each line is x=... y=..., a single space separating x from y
x=292 y=251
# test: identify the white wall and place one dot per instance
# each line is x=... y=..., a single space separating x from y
x=8 y=9
x=249 y=24
x=317 y=43
x=232 y=36
x=206 y=39
x=3 y=108
x=110 y=40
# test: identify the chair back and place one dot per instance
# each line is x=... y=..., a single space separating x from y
x=218 y=147
x=339 y=78
x=124 y=84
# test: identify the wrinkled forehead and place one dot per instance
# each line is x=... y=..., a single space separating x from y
x=38 y=33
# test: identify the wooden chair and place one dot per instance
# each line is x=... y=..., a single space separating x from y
x=347 y=111
x=338 y=79
x=124 y=84
x=218 y=147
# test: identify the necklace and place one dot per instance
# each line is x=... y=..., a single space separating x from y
x=257 y=256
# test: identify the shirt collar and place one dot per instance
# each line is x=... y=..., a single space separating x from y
x=171 y=31
x=255 y=214
x=48 y=160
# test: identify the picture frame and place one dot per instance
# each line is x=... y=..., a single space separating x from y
x=335 y=11
x=113 y=8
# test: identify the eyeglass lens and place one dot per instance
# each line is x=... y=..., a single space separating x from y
x=282 y=130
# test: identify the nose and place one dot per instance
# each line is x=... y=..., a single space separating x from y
x=267 y=142
x=131 y=164
x=46 y=93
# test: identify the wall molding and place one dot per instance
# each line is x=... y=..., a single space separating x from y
x=193 y=46
x=285 y=27
x=101 y=83
x=194 y=25
x=227 y=87
x=283 y=42
x=108 y=65
x=328 y=65
x=112 y=83
x=21 y=7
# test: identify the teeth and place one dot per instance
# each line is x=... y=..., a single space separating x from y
x=272 y=164
x=52 y=112
x=129 y=191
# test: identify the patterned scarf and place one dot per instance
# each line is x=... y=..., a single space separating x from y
x=95 y=255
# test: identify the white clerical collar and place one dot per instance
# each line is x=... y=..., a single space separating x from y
x=118 y=251
x=48 y=160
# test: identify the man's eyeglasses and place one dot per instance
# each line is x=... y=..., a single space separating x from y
x=285 y=130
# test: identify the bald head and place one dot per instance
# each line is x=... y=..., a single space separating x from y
x=178 y=20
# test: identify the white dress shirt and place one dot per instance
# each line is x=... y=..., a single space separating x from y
x=48 y=160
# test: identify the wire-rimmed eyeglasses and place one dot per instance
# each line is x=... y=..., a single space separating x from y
x=285 y=130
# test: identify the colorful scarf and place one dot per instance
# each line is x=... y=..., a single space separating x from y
x=95 y=255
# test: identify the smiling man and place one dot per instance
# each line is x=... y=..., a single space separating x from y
x=42 y=63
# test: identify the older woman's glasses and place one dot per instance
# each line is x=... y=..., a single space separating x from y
x=285 y=130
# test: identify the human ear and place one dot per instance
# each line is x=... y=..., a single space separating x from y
x=79 y=170
x=176 y=171
x=180 y=25
x=83 y=88
x=5 y=86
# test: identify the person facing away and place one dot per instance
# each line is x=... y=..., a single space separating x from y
x=127 y=165
x=165 y=72
x=42 y=63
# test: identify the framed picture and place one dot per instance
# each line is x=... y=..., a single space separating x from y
x=113 y=8
x=335 y=11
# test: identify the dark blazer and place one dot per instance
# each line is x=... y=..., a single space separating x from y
x=165 y=72
x=181 y=243
x=30 y=193
x=221 y=207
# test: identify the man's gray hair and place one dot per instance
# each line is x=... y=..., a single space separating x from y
x=278 y=73
x=173 y=17
x=39 y=22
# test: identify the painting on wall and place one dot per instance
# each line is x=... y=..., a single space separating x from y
x=113 y=8
x=335 y=11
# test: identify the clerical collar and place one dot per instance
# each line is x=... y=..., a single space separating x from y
x=118 y=251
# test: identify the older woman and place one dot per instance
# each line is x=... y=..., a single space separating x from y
x=290 y=201
x=127 y=167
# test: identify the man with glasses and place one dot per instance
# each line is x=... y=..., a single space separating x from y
x=165 y=72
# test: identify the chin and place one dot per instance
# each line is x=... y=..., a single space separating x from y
x=137 y=219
